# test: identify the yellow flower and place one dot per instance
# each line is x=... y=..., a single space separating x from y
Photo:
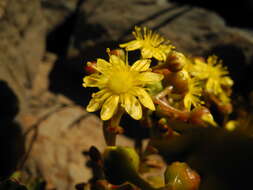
x=190 y=66
x=192 y=97
x=150 y=43
x=121 y=84
x=214 y=73
x=231 y=125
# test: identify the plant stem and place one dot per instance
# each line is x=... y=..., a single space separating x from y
x=111 y=128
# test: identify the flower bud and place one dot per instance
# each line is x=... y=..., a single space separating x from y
x=120 y=164
x=118 y=52
x=231 y=125
x=89 y=68
x=178 y=80
x=202 y=116
x=225 y=108
x=175 y=61
x=179 y=176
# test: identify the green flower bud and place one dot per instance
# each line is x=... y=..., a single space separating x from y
x=179 y=176
x=120 y=164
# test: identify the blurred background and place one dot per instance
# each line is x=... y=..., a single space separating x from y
x=44 y=45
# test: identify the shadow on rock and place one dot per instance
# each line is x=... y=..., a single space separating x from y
x=243 y=9
x=11 y=140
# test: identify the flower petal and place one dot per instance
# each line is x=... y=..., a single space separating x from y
x=133 y=45
x=144 y=98
x=147 y=52
x=159 y=54
x=227 y=81
x=149 y=77
x=94 y=80
x=102 y=65
x=187 y=102
x=132 y=106
x=109 y=107
x=213 y=86
x=166 y=48
x=117 y=63
x=141 y=65
x=98 y=99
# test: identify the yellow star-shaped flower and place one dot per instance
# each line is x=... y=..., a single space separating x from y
x=150 y=43
x=121 y=85
x=214 y=73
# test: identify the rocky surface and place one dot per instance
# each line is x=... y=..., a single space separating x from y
x=42 y=104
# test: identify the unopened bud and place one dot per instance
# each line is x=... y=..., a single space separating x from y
x=179 y=176
x=178 y=80
x=90 y=67
x=225 y=108
x=118 y=52
x=120 y=164
x=231 y=125
x=202 y=116
x=175 y=61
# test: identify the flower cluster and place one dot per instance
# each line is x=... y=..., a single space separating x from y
x=163 y=88
x=193 y=82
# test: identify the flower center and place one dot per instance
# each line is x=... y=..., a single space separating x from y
x=120 y=82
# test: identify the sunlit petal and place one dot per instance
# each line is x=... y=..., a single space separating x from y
x=94 y=80
x=132 y=106
x=159 y=55
x=144 y=98
x=133 y=45
x=102 y=65
x=149 y=77
x=141 y=65
x=117 y=62
x=109 y=107
x=147 y=52
x=97 y=101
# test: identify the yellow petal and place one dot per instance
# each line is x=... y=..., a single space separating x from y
x=144 y=98
x=187 y=102
x=132 y=106
x=97 y=101
x=146 y=52
x=224 y=98
x=227 y=81
x=109 y=107
x=213 y=86
x=141 y=65
x=117 y=62
x=159 y=55
x=102 y=65
x=94 y=80
x=166 y=48
x=149 y=77
x=133 y=45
